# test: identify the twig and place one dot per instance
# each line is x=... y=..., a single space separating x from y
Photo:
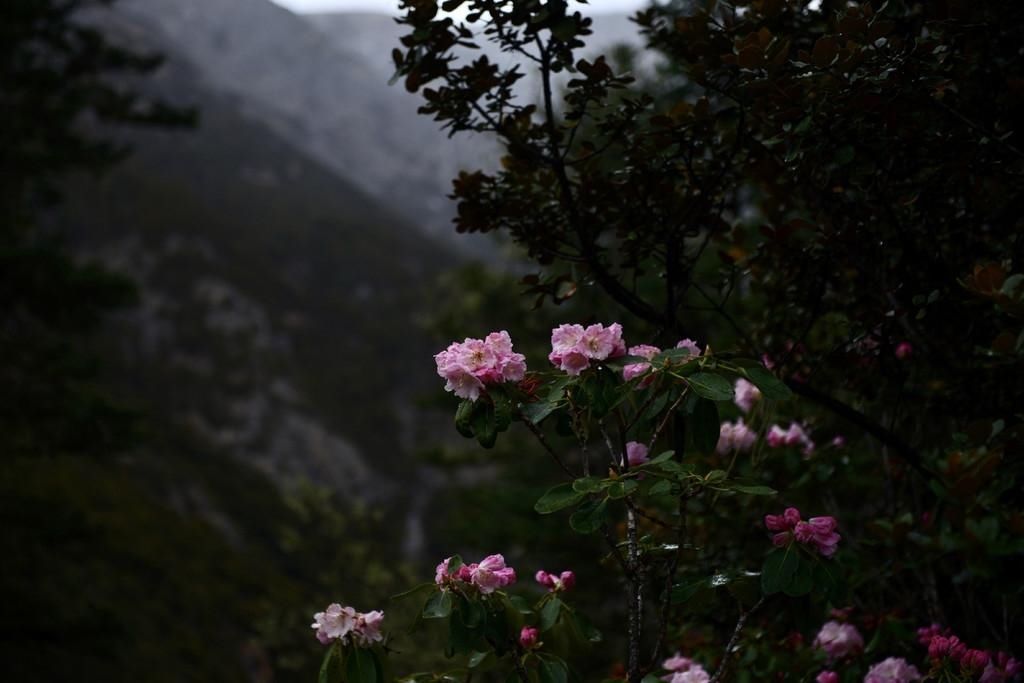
x=544 y=442
x=740 y=623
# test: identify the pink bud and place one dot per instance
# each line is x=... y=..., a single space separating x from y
x=545 y=579
x=903 y=350
x=827 y=677
x=974 y=660
x=529 y=637
x=568 y=580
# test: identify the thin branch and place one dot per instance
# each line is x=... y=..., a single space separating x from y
x=740 y=623
x=544 y=442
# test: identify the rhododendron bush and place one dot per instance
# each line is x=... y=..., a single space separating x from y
x=776 y=417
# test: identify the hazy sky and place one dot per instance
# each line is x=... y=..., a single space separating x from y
x=625 y=6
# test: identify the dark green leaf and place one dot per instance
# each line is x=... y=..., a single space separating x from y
x=710 y=386
x=660 y=488
x=621 y=489
x=589 y=517
x=589 y=484
x=552 y=670
x=802 y=580
x=778 y=569
x=549 y=614
x=771 y=386
x=485 y=425
x=330 y=670
x=438 y=606
x=360 y=666
x=464 y=418
x=660 y=458
x=557 y=498
x=536 y=412
x=753 y=489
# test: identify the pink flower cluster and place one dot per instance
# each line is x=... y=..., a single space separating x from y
x=892 y=670
x=735 y=436
x=348 y=626
x=474 y=363
x=684 y=670
x=795 y=435
x=573 y=347
x=746 y=394
x=488 y=575
x=819 y=532
x=839 y=640
x=560 y=582
x=636 y=453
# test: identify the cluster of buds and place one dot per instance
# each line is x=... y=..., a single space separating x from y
x=471 y=365
x=529 y=638
x=819 y=532
x=945 y=648
x=488 y=575
x=560 y=582
x=348 y=626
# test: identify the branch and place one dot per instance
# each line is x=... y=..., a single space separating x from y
x=740 y=623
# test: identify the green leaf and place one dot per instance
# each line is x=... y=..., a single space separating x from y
x=557 y=498
x=771 y=386
x=621 y=489
x=477 y=658
x=455 y=563
x=778 y=569
x=683 y=592
x=660 y=488
x=705 y=426
x=414 y=591
x=536 y=412
x=360 y=666
x=485 y=425
x=802 y=580
x=589 y=517
x=754 y=489
x=330 y=670
x=552 y=670
x=660 y=458
x=464 y=418
x=589 y=485
x=438 y=606
x=710 y=386
x=549 y=614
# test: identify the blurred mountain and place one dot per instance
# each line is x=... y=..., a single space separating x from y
x=329 y=100
x=277 y=319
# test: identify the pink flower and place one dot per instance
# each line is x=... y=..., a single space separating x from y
x=838 y=441
x=795 y=435
x=974 y=660
x=684 y=670
x=892 y=670
x=636 y=453
x=746 y=395
x=573 y=347
x=942 y=647
x=839 y=640
x=677 y=663
x=690 y=345
x=334 y=623
x=529 y=637
x=823 y=535
x=367 y=629
x=926 y=633
x=735 y=436
x=563 y=582
x=636 y=369
x=787 y=521
x=491 y=574
x=903 y=350
x=827 y=677
x=468 y=366
x=1001 y=668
